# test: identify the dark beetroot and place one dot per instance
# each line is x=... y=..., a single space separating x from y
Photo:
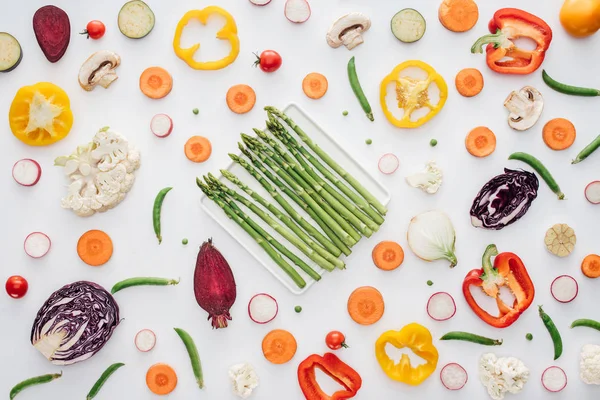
x=53 y=31
x=214 y=285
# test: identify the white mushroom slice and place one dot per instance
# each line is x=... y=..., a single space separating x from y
x=525 y=108
x=99 y=69
x=348 y=30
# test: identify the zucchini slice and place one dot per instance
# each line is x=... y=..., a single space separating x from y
x=408 y=25
x=136 y=19
x=11 y=53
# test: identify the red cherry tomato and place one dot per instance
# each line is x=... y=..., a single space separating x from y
x=95 y=29
x=268 y=61
x=336 y=340
x=16 y=286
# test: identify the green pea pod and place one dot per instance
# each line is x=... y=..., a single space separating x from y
x=554 y=334
x=156 y=211
x=102 y=380
x=194 y=356
x=357 y=89
x=37 y=380
x=568 y=89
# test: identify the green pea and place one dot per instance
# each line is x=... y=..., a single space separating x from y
x=298 y=309
x=184 y=241
x=429 y=283
x=433 y=142
x=529 y=336
x=368 y=141
x=195 y=111
x=344 y=113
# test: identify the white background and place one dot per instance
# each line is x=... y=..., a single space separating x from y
x=304 y=50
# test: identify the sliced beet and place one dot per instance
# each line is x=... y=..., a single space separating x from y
x=53 y=31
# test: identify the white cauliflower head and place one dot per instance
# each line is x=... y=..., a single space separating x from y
x=589 y=364
x=502 y=375
x=429 y=180
x=101 y=173
x=244 y=379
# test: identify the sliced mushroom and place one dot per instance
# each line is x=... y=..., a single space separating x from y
x=348 y=30
x=99 y=69
x=525 y=108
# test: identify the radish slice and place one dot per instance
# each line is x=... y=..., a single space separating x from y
x=441 y=306
x=27 y=172
x=37 y=244
x=262 y=308
x=145 y=340
x=297 y=11
x=161 y=125
x=554 y=379
x=260 y=2
x=453 y=376
x=388 y=163
x=564 y=288
x=592 y=192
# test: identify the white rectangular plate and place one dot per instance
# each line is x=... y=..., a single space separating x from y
x=329 y=145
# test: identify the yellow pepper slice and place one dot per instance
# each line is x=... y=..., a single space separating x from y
x=40 y=114
x=227 y=32
x=413 y=94
x=415 y=337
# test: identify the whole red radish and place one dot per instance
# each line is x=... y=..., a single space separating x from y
x=214 y=284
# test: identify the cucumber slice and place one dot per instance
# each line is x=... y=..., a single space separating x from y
x=408 y=25
x=11 y=53
x=136 y=19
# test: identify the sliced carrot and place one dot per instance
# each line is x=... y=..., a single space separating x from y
x=559 y=134
x=365 y=305
x=279 y=346
x=197 y=149
x=161 y=379
x=241 y=99
x=481 y=142
x=388 y=255
x=469 y=82
x=458 y=15
x=156 y=82
x=590 y=266
x=95 y=248
x=315 y=85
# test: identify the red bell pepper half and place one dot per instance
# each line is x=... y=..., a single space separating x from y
x=334 y=367
x=502 y=55
x=508 y=270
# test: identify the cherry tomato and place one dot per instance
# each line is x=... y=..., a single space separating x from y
x=336 y=340
x=95 y=29
x=268 y=61
x=16 y=286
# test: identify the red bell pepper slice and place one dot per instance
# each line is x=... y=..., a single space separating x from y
x=502 y=55
x=508 y=270
x=334 y=367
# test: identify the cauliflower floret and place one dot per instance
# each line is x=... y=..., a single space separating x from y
x=102 y=173
x=429 y=180
x=502 y=375
x=589 y=364
x=244 y=379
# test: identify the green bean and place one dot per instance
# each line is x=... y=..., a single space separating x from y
x=102 y=380
x=587 y=150
x=194 y=356
x=19 y=387
x=554 y=334
x=160 y=197
x=357 y=89
x=588 y=323
x=568 y=89
x=470 y=337
x=142 y=281
x=541 y=170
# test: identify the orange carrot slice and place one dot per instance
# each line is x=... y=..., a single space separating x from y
x=197 y=149
x=95 y=248
x=161 y=379
x=590 y=266
x=469 y=82
x=388 y=255
x=365 y=305
x=481 y=142
x=156 y=82
x=241 y=99
x=315 y=85
x=279 y=346
x=559 y=134
x=458 y=15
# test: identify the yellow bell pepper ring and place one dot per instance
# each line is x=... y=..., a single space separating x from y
x=40 y=114
x=228 y=32
x=415 y=337
x=412 y=94
x=580 y=18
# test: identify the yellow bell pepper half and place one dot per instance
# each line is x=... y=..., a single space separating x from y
x=412 y=94
x=415 y=337
x=40 y=114
x=227 y=32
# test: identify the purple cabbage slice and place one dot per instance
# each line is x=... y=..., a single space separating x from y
x=75 y=323
x=504 y=199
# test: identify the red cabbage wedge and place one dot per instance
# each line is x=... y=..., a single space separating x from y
x=75 y=323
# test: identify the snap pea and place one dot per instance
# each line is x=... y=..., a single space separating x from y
x=568 y=89
x=357 y=89
x=102 y=380
x=587 y=150
x=142 y=281
x=194 y=356
x=160 y=197
x=588 y=323
x=37 y=380
x=470 y=337
x=554 y=334
x=540 y=169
